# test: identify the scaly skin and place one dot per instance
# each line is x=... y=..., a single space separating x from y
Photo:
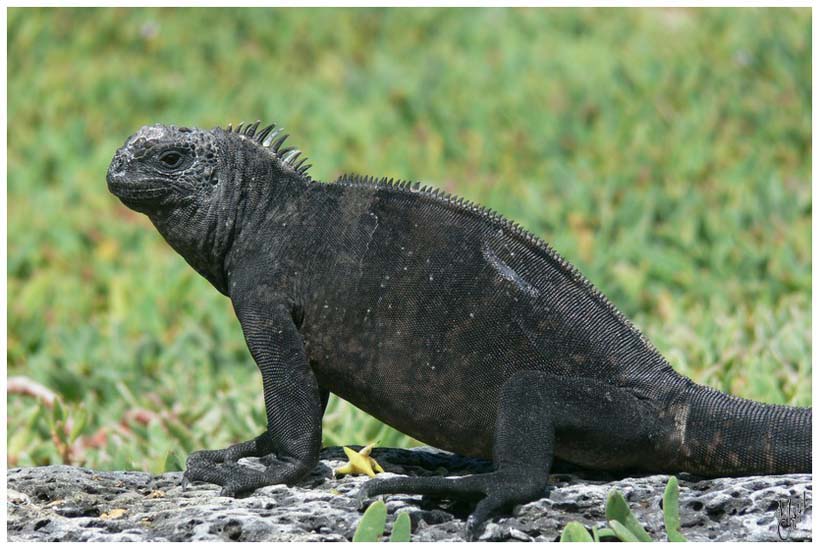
x=434 y=315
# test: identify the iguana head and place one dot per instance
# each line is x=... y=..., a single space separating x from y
x=161 y=165
x=165 y=165
x=191 y=183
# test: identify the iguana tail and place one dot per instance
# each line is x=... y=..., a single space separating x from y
x=725 y=435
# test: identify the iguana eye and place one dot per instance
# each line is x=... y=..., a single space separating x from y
x=171 y=159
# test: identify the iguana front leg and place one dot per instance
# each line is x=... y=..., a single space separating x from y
x=293 y=403
x=259 y=446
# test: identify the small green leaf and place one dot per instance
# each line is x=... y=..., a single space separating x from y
x=57 y=413
x=595 y=537
x=575 y=532
x=675 y=536
x=401 y=528
x=617 y=509
x=606 y=532
x=371 y=526
x=172 y=463
x=181 y=432
x=80 y=420
x=671 y=511
x=35 y=418
x=624 y=534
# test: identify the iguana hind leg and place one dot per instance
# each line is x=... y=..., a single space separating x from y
x=523 y=452
x=537 y=412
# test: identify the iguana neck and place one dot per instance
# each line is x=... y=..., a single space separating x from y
x=252 y=186
x=201 y=234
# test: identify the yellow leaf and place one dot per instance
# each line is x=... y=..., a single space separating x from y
x=376 y=466
x=343 y=470
x=360 y=463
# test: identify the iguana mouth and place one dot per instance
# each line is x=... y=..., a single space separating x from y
x=127 y=190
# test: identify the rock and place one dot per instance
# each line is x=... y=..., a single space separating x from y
x=64 y=503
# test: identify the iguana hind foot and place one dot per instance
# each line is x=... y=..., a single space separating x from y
x=496 y=492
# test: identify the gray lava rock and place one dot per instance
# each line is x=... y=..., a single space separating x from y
x=64 y=503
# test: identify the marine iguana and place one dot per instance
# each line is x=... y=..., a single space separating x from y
x=433 y=314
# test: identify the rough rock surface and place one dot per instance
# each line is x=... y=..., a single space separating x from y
x=63 y=503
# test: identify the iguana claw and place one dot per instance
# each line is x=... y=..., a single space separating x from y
x=473 y=529
x=361 y=497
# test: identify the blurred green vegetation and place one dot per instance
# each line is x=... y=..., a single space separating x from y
x=665 y=152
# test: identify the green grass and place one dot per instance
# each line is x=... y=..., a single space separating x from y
x=664 y=152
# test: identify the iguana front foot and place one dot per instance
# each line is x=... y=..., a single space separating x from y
x=220 y=467
x=237 y=480
x=261 y=445
x=496 y=492
x=209 y=459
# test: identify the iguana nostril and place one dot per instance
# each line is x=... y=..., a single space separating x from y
x=115 y=168
x=112 y=169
